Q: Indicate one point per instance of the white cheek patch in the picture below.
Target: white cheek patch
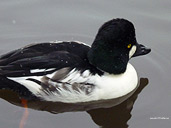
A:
(132, 51)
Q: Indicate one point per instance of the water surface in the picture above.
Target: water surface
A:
(29, 21)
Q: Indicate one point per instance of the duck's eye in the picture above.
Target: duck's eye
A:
(129, 45)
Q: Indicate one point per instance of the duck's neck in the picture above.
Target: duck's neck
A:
(107, 59)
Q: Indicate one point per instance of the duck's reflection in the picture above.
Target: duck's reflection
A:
(117, 116)
(108, 114)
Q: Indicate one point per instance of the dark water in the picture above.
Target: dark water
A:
(29, 21)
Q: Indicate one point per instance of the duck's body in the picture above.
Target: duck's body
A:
(70, 72)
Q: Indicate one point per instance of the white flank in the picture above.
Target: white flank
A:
(32, 86)
(107, 86)
(76, 77)
(86, 73)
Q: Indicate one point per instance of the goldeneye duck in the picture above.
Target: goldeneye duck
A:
(71, 71)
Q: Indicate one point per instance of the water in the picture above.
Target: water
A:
(29, 21)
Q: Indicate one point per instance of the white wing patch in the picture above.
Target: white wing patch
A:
(41, 70)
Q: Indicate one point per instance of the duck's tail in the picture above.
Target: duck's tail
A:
(7, 84)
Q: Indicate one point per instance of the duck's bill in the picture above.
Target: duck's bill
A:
(141, 50)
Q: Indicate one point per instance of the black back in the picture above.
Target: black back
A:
(45, 56)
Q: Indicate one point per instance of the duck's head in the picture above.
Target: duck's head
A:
(114, 45)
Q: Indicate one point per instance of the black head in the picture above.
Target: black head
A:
(114, 45)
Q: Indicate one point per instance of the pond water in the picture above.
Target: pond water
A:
(30, 21)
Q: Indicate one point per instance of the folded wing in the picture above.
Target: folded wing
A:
(42, 59)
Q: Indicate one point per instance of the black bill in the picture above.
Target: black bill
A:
(141, 50)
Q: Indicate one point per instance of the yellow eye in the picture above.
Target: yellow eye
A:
(129, 45)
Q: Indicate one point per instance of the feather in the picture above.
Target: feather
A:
(42, 56)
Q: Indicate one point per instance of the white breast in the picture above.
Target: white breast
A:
(114, 86)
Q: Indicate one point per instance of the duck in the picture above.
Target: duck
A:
(74, 72)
